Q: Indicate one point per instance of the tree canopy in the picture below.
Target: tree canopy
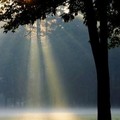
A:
(20, 12)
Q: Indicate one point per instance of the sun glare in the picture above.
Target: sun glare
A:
(50, 116)
(28, 1)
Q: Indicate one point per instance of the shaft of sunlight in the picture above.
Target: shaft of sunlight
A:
(75, 41)
(34, 82)
(53, 78)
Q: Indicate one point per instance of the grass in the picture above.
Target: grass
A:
(54, 117)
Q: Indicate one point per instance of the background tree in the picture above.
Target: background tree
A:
(102, 19)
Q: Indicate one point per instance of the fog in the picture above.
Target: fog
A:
(53, 114)
(51, 67)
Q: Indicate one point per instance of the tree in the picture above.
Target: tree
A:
(100, 16)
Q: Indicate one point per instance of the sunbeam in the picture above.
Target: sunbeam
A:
(34, 82)
(53, 78)
(13, 54)
(75, 41)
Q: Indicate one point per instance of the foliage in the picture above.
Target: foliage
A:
(20, 12)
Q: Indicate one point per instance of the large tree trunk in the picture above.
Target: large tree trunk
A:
(100, 53)
(104, 112)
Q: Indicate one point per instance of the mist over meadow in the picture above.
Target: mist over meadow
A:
(53, 68)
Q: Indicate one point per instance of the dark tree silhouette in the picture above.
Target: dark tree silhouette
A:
(102, 19)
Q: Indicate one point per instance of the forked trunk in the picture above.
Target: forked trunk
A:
(100, 53)
(104, 106)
